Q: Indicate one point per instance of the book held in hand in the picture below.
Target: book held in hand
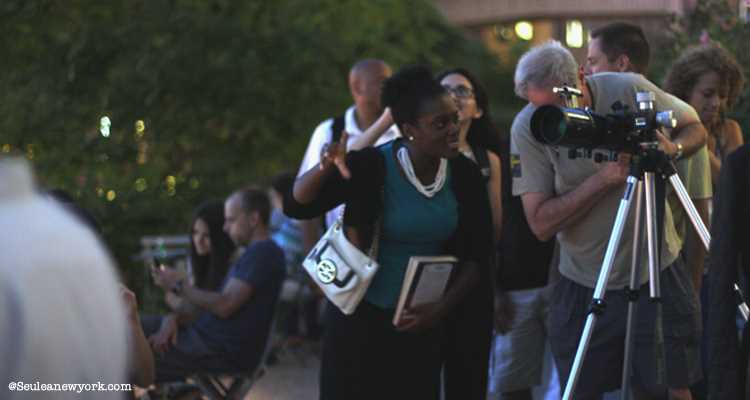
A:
(424, 282)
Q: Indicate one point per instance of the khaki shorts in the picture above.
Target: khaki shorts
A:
(602, 365)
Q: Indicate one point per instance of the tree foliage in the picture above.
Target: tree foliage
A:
(227, 92)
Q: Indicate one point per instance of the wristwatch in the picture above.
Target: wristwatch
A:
(678, 154)
(178, 286)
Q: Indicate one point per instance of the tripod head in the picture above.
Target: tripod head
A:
(649, 158)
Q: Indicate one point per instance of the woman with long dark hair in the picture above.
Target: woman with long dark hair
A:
(210, 247)
(477, 137)
(211, 251)
(430, 201)
(469, 332)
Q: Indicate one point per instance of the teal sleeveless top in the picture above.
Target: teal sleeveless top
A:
(412, 225)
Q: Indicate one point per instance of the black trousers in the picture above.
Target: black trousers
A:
(466, 347)
(364, 357)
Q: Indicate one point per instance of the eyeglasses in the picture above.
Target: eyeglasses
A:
(460, 91)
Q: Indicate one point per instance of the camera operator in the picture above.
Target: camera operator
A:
(577, 200)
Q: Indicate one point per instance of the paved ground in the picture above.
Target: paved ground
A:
(293, 377)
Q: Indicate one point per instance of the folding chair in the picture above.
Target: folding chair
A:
(235, 386)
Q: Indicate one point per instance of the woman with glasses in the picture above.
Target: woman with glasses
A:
(429, 201)
(469, 331)
(477, 138)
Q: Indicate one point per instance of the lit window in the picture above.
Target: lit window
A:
(574, 33)
(524, 30)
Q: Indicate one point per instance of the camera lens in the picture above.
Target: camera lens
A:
(548, 125)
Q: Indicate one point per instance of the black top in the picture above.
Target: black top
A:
(472, 240)
(523, 260)
(730, 229)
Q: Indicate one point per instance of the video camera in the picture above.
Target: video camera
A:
(580, 128)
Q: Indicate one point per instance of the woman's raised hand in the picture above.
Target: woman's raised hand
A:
(334, 153)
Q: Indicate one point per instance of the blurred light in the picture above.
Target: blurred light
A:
(30, 151)
(6, 148)
(194, 183)
(524, 30)
(99, 192)
(111, 195)
(140, 128)
(140, 185)
(104, 125)
(171, 183)
(574, 33)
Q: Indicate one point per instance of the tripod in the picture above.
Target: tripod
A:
(643, 169)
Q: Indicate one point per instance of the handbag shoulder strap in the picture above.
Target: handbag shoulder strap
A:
(375, 245)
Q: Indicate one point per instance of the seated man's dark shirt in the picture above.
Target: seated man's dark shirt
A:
(243, 335)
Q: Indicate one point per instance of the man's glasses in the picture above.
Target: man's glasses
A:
(460, 91)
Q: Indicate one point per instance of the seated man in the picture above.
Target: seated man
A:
(231, 329)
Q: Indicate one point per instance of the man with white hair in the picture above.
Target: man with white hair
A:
(61, 317)
(576, 200)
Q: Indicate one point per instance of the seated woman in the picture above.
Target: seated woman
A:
(211, 251)
(429, 202)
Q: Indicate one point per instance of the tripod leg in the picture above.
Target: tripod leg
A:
(633, 293)
(689, 207)
(703, 232)
(654, 271)
(652, 235)
(597, 304)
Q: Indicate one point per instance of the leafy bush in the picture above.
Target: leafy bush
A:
(228, 94)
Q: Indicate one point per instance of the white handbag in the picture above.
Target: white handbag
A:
(340, 269)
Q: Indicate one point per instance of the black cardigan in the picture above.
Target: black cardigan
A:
(729, 232)
(472, 240)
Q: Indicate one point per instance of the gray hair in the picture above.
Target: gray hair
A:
(548, 63)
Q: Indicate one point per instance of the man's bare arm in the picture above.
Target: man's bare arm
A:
(548, 214)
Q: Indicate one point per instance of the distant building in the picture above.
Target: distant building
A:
(502, 23)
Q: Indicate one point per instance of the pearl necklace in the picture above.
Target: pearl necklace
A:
(430, 190)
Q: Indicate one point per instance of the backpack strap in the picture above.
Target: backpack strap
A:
(339, 123)
(483, 162)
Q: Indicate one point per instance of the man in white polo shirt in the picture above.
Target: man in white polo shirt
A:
(365, 79)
